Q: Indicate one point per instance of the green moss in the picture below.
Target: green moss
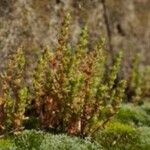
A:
(37, 140)
(118, 136)
(146, 107)
(144, 138)
(6, 144)
(135, 115)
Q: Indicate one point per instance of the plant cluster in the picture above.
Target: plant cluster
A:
(73, 89)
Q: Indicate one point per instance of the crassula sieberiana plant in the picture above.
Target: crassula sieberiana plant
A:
(77, 96)
(13, 94)
(135, 81)
(72, 89)
(138, 86)
(146, 82)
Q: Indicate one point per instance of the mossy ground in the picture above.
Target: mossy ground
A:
(129, 130)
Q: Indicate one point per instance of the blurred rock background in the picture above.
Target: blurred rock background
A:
(35, 23)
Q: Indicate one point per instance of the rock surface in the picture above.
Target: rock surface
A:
(36, 23)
